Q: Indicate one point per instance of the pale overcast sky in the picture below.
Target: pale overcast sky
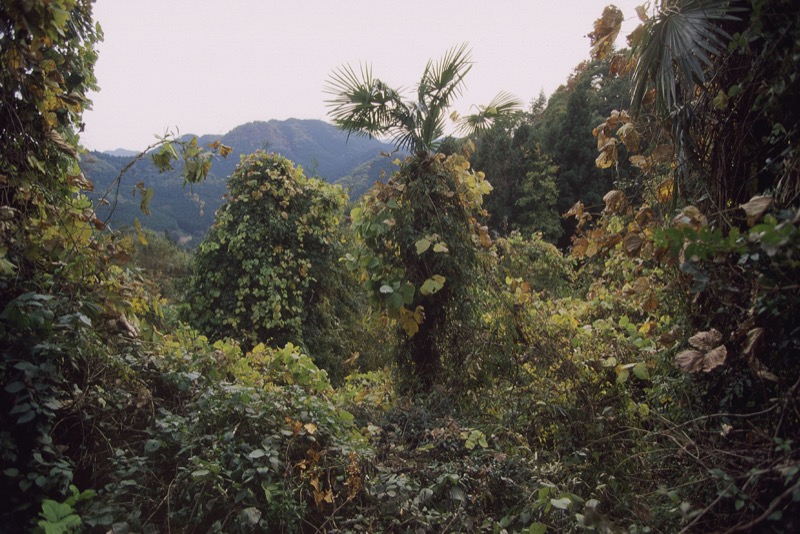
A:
(206, 66)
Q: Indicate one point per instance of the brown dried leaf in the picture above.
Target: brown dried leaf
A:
(662, 154)
(579, 246)
(651, 304)
(632, 243)
(752, 346)
(575, 211)
(706, 340)
(616, 201)
(611, 241)
(689, 360)
(756, 207)
(621, 65)
(606, 29)
(754, 338)
(690, 217)
(630, 137)
(761, 370)
(645, 216)
(714, 358)
(638, 161)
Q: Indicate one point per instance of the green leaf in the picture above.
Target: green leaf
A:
(622, 375)
(407, 292)
(26, 417)
(147, 196)
(432, 285)
(58, 518)
(15, 387)
(537, 528)
(562, 503)
(640, 370)
(345, 416)
(422, 245)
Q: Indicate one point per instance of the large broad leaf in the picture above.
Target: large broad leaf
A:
(422, 245)
(432, 285)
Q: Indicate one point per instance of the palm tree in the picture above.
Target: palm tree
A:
(365, 105)
(679, 51)
(427, 199)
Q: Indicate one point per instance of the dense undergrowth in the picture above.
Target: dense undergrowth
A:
(645, 382)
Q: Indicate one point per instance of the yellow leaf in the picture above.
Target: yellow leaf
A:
(484, 238)
(665, 189)
(721, 100)
(629, 136)
(608, 156)
(310, 427)
(408, 322)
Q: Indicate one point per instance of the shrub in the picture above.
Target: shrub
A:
(267, 272)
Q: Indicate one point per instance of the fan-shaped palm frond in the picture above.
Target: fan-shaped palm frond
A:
(501, 105)
(675, 50)
(365, 105)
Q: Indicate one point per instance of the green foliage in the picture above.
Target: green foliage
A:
(268, 267)
(564, 128)
(60, 517)
(368, 106)
(47, 70)
(164, 262)
(727, 103)
(523, 178)
(534, 265)
(416, 247)
(207, 435)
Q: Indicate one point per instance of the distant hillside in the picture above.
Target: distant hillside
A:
(186, 213)
(120, 152)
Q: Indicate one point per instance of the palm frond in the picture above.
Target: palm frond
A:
(676, 48)
(441, 82)
(362, 104)
(501, 105)
(444, 79)
(365, 105)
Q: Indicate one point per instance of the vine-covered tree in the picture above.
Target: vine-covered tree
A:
(418, 234)
(267, 270)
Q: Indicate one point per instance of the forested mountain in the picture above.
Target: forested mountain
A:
(186, 213)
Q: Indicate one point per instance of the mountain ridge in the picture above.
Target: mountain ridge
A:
(186, 212)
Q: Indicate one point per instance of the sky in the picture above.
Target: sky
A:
(207, 66)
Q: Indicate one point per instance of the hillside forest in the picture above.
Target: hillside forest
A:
(577, 314)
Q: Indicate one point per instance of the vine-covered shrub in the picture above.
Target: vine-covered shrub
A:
(268, 269)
